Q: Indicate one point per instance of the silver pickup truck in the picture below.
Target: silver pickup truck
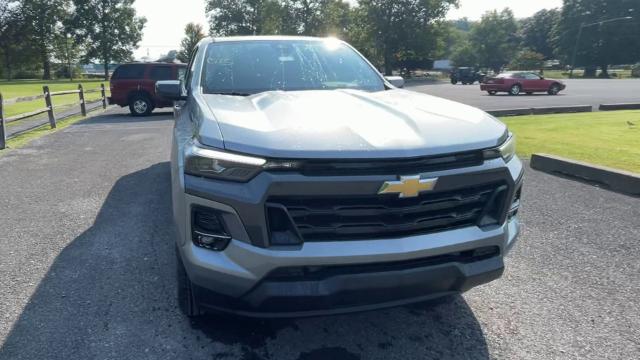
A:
(306, 183)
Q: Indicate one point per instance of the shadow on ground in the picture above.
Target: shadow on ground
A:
(110, 294)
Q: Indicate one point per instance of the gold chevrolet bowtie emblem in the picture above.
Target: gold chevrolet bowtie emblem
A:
(408, 186)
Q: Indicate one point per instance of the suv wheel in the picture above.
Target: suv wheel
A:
(492, 92)
(554, 89)
(140, 105)
(515, 90)
(187, 299)
(454, 81)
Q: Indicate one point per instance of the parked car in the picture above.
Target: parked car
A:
(466, 75)
(305, 183)
(133, 85)
(516, 83)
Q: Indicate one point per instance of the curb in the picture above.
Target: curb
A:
(624, 106)
(510, 112)
(617, 180)
(562, 109)
(542, 110)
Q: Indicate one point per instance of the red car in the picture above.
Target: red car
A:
(515, 83)
(134, 85)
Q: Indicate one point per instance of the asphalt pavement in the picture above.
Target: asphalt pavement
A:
(87, 270)
(578, 92)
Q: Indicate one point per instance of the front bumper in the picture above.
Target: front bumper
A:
(239, 279)
(346, 292)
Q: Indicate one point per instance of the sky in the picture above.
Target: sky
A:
(166, 20)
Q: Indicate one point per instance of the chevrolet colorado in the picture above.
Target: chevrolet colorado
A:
(306, 183)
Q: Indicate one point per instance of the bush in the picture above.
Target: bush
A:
(635, 71)
(527, 60)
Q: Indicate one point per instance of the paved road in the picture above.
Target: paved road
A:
(579, 92)
(87, 271)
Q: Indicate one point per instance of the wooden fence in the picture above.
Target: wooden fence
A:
(48, 108)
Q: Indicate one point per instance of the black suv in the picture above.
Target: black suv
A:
(466, 75)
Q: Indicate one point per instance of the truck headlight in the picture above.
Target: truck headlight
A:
(506, 151)
(222, 165)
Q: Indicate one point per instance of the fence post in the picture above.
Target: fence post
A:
(104, 96)
(83, 106)
(3, 133)
(47, 100)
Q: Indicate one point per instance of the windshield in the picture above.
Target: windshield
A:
(249, 67)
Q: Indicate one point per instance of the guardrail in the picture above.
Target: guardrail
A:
(48, 108)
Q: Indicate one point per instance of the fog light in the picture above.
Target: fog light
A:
(208, 230)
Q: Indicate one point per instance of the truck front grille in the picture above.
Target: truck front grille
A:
(328, 218)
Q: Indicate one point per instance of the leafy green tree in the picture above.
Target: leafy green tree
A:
(401, 25)
(495, 39)
(10, 23)
(110, 29)
(606, 36)
(527, 60)
(67, 51)
(41, 18)
(193, 34)
(241, 17)
(464, 55)
(537, 32)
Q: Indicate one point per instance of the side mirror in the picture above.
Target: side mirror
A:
(170, 89)
(396, 81)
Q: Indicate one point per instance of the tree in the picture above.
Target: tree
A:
(315, 17)
(602, 42)
(193, 34)
(241, 17)
(403, 25)
(9, 29)
(495, 39)
(110, 28)
(527, 60)
(41, 18)
(537, 32)
(66, 50)
(464, 55)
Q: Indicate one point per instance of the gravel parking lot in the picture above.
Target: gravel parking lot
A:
(87, 270)
(579, 92)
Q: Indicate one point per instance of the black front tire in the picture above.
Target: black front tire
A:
(515, 90)
(187, 294)
(492, 92)
(454, 81)
(554, 89)
(140, 105)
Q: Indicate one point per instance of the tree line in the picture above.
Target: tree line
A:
(36, 33)
(593, 33)
(405, 34)
(410, 33)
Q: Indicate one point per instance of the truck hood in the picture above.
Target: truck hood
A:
(347, 124)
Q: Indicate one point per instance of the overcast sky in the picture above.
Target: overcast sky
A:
(166, 20)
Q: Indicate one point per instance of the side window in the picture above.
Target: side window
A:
(190, 69)
(532, 76)
(132, 71)
(160, 73)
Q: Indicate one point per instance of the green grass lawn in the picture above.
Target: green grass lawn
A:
(603, 138)
(13, 89)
